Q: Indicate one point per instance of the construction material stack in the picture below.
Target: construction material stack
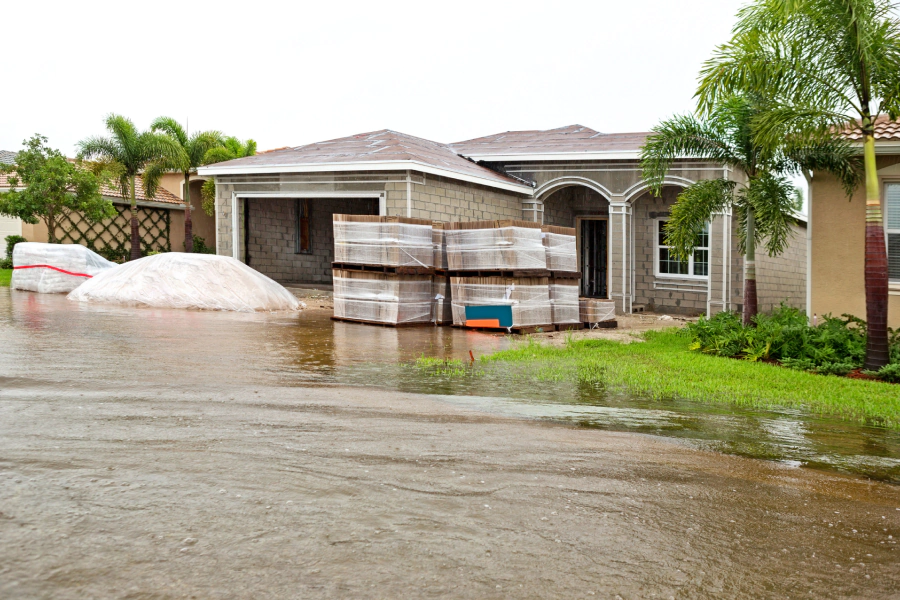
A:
(383, 270)
(498, 275)
(596, 313)
(442, 292)
(562, 261)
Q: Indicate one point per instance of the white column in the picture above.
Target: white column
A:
(235, 227)
(620, 213)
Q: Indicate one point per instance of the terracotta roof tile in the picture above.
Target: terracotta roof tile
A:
(572, 139)
(885, 130)
(114, 193)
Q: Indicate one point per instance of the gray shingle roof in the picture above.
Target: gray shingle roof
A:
(7, 157)
(573, 139)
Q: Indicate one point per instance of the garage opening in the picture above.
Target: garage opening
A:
(291, 240)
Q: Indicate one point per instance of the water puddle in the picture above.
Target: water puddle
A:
(46, 338)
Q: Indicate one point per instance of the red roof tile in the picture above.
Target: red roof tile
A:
(115, 194)
(885, 130)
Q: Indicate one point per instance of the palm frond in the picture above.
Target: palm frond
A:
(171, 127)
(774, 203)
(693, 209)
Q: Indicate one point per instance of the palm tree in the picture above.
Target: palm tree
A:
(230, 149)
(765, 204)
(126, 152)
(192, 151)
(830, 65)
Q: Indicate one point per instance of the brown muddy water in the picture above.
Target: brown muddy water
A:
(168, 454)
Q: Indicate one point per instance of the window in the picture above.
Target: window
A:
(892, 229)
(668, 266)
(302, 238)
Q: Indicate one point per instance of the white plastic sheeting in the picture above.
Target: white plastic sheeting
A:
(383, 297)
(597, 311)
(439, 242)
(561, 253)
(564, 306)
(529, 298)
(180, 280)
(500, 248)
(391, 244)
(54, 268)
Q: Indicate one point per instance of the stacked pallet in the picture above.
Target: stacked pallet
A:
(383, 270)
(597, 313)
(559, 244)
(495, 246)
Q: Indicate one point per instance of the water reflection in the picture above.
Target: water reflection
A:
(46, 338)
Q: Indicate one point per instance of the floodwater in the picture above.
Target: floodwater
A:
(160, 454)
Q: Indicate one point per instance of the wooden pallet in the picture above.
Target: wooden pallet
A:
(515, 330)
(381, 324)
(602, 325)
(569, 326)
(565, 275)
(384, 269)
(508, 274)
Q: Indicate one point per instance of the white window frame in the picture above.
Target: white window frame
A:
(887, 230)
(657, 246)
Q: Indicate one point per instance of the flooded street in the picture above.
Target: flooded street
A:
(167, 454)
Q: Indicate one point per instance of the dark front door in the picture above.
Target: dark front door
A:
(594, 260)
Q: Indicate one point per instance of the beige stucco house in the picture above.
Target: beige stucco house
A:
(837, 234)
(274, 210)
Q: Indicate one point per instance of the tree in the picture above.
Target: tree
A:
(230, 149)
(126, 152)
(52, 186)
(192, 153)
(830, 66)
(765, 204)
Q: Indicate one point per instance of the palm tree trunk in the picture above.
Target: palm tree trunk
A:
(877, 352)
(188, 226)
(135, 235)
(751, 303)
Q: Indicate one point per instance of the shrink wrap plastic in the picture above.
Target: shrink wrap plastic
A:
(501, 248)
(597, 311)
(529, 298)
(180, 280)
(54, 268)
(561, 253)
(383, 297)
(442, 297)
(564, 306)
(390, 244)
(439, 241)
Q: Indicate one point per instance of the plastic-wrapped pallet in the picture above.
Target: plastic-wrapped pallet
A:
(439, 242)
(54, 268)
(495, 245)
(529, 298)
(379, 240)
(597, 311)
(559, 243)
(383, 297)
(564, 305)
(443, 297)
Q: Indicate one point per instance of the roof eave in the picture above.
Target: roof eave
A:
(550, 156)
(393, 165)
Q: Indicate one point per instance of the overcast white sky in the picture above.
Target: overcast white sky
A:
(290, 73)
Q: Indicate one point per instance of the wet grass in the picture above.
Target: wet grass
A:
(663, 367)
(5, 277)
(443, 367)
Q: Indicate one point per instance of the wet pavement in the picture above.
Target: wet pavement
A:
(166, 454)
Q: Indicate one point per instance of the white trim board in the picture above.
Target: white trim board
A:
(391, 165)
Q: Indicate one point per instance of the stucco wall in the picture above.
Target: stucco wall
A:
(838, 247)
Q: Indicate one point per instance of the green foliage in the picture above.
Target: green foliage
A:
(11, 241)
(200, 246)
(447, 367)
(5, 277)
(662, 367)
(230, 149)
(49, 186)
(833, 347)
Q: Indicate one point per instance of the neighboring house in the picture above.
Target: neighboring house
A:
(572, 176)
(161, 221)
(8, 225)
(837, 233)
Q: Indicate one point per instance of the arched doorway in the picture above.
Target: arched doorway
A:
(587, 211)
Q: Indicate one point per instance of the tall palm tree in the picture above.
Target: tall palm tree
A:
(765, 204)
(126, 152)
(192, 151)
(830, 65)
(230, 149)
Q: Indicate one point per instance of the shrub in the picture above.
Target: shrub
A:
(836, 346)
(11, 241)
(200, 246)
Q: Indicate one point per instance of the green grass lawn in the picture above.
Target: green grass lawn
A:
(5, 276)
(663, 367)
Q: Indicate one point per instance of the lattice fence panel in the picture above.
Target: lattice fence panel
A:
(112, 237)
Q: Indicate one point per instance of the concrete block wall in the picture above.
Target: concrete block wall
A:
(273, 235)
(783, 278)
(441, 199)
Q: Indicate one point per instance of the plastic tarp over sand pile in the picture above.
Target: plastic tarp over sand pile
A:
(54, 268)
(179, 280)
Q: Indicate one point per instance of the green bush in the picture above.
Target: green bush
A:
(200, 246)
(11, 241)
(833, 347)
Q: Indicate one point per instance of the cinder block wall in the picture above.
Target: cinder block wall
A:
(273, 234)
(782, 278)
(662, 294)
(563, 206)
(441, 199)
